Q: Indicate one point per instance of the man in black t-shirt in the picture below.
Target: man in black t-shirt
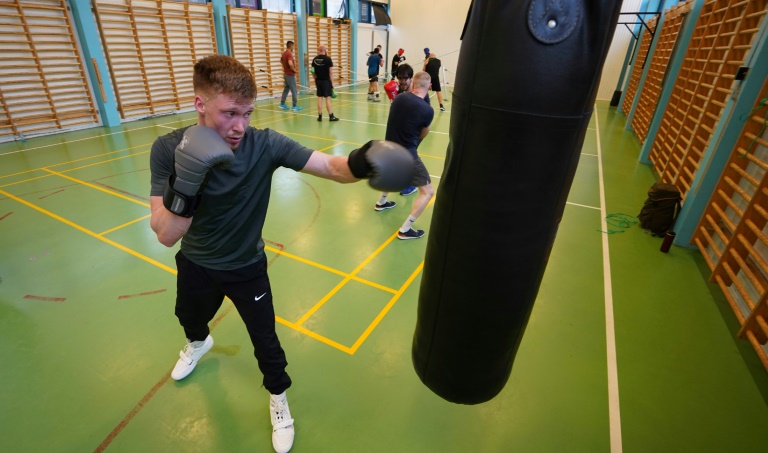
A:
(408, 124)
(210, 190)
(396, 60)
(323, 66)
(432, 67)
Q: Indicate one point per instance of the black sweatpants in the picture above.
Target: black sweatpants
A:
(199, 294)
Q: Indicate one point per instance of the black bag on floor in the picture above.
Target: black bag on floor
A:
(661, 208)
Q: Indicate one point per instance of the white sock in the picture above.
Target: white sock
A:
(383, 199)
(408, 224)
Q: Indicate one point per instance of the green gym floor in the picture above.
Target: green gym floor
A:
(628, 349)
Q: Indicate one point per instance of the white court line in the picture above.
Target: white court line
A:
(614, 411)
(587, 154)
(88, 138)
(582, 205)
(168, 127)
(342, 119)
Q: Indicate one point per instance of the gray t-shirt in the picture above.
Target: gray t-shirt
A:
(226, 230)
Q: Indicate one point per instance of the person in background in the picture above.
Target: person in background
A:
(432, 67)
(375, 61)
(289, 76)
(407, 125)
(396, 60)
(323, 66)
(371, 52)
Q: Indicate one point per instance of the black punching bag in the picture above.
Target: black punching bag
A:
(525, 87)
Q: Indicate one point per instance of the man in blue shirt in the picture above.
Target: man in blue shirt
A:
(375, 61)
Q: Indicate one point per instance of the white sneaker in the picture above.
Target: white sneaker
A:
(282, 423)
(189, 357)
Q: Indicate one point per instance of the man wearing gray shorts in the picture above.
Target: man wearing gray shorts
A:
(408, 124)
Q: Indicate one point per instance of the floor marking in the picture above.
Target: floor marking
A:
(93, 186)
(587, 154)
(75, 160)
(6, 215)
(89, 232)
(151, 393)
(614, 410)
(330, 269)
(52, 193)
(341, 284)
(583, 206)
(386, 309)
(115, 189)
(147, 293)
(169, 127)
(87, 138)
(48, 299)
(125, 225)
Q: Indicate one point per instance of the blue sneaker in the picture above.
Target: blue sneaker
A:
(283, 106)
(410, 190)
(296, 108)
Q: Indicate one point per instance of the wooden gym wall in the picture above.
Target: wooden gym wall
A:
(666, 40)
(337, 37)
(258, 40)
(43, 82)
(151, 47)
(721, 40)
(637, 68)
(732, 232)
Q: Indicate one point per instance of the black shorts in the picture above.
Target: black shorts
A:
(421, 178)
(373, 78)
(324, 88)
(435, 82)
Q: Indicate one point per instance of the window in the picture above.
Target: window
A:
(316, 7)
(283, 6)
(336, 9)
(365, 12)
(380, 14)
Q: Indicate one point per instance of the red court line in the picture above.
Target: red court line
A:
(143, 402)
(115, 189)
(49, 299)
(147, 293)
(52, 193)
(1, 218)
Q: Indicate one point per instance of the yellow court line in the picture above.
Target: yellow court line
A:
(75, 160)
(314, 335)
(98, 188)
(90, 233)
(386, 309)
(329, 147)
(160, 265)
(319, 138)
(25, 180)
(333, 291)
(71, 169)
(330, 269)
(125, 225)
(104, 161)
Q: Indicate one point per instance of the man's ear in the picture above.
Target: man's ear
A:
(200, 104)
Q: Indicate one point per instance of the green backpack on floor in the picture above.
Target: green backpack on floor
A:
(661, 208)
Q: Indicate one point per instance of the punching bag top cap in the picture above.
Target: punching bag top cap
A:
(552, 21)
